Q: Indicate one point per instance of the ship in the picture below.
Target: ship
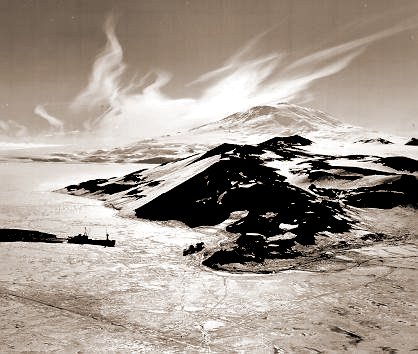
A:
(82, 239)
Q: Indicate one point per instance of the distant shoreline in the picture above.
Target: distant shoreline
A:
(21, 235)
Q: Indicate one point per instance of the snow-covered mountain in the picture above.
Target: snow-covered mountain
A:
(249, 127)
(282, 119)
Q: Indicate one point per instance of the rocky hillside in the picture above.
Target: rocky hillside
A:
(289, 199)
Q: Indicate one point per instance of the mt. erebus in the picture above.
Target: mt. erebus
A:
(252, 126)
(278, 184)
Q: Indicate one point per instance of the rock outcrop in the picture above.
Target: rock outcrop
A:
(412, 142)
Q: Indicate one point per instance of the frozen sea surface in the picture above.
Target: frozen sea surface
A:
(143, 295)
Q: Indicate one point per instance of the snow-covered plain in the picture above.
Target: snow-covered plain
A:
(143, 295)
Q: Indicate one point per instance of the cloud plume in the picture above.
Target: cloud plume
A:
(54, 122)
(104, 82)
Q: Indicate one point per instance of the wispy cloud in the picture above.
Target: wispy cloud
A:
(104, 82)
(6, 145)
(11, 128)
(4, 126)
(272, 78)
(239, 83)
(128, 114)
(54, 122)
(233, 61)
(351, 46)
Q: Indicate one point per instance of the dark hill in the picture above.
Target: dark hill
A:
(413, 142)
(287, 195)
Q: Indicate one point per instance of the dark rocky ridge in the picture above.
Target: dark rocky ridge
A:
(401, 190)
(412, 142)
(20, 235)
(400, 163)
(377, 140)
(281, 215)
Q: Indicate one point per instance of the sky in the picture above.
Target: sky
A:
(74, 69)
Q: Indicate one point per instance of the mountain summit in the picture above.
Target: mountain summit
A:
(281, 119)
